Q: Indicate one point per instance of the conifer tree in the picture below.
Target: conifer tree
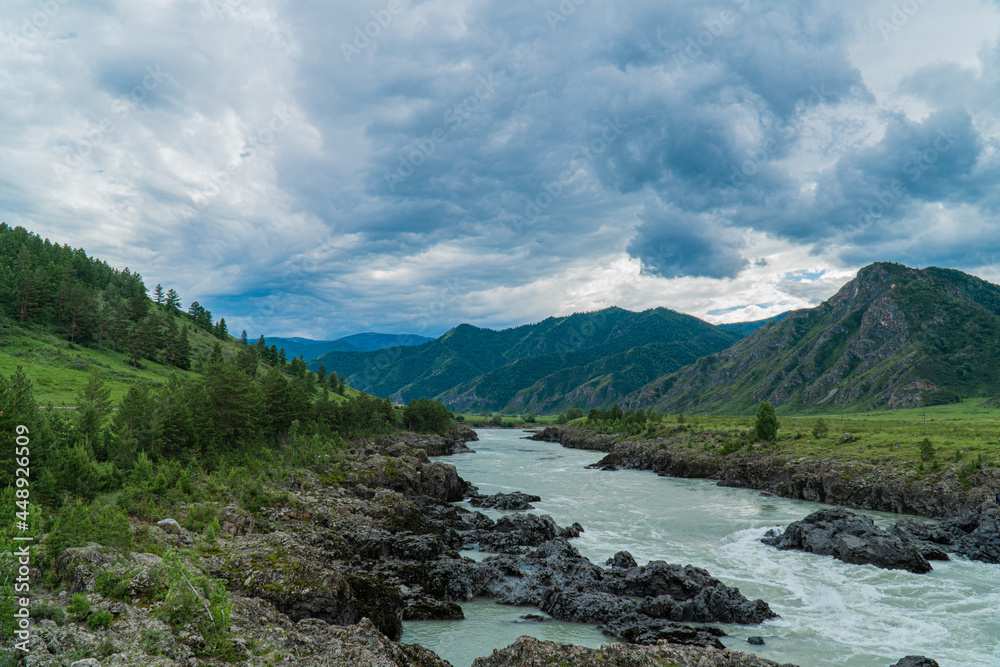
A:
(158, 294)
(173, 301)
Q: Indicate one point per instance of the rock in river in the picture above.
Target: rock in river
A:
(851, 538)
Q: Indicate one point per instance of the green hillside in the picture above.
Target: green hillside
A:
(582, 360)
(65, 315)
(893, 337)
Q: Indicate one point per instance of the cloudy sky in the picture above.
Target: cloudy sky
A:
(320, 168)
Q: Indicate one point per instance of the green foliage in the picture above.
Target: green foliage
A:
(926, 450)
(426, 416)
(113, 584)
(193, 598)
(79, 606)
(113, 529)
(48, 611)
(766, 424)
(99, 619)
(820, 428)
(213, 531)
(616, 420)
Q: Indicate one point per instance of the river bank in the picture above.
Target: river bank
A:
(886, 485)
(351, 548)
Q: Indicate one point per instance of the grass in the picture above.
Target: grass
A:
(59, 370)
(962, 435)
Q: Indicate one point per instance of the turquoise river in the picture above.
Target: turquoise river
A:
(832, 614)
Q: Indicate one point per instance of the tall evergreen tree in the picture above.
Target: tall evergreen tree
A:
(158, 294)
(173, 301)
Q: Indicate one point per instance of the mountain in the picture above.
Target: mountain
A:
(582, 360)
(747, 328)
(362, 342)
(892, 337)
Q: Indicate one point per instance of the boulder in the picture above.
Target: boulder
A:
(622, 560)
(851, 538)
(916, 661)
(974, 534)
(169, 526)
(506, 501)
(531, 652)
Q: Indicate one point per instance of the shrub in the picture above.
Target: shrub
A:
(112, 585)
(48, 611)
(926, 450)
(820, 428)
(79, 606)
(99, 619)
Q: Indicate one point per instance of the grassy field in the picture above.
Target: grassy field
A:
(960, 438)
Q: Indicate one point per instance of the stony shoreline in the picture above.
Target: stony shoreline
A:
(361, 544)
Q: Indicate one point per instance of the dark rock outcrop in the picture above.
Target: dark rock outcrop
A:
(974, 534)
(531, 652)
(851, 538)
(916, 661)
(505, 501)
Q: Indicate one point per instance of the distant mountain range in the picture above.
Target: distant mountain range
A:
(582, 360)
(893, 337)
(362, 342)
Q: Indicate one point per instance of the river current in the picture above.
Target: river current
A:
(832, 614)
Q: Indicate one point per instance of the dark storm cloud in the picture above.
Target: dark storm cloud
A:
(672, 244)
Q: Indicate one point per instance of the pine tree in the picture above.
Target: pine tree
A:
(243, 338)
(246, 360)
(282, 358)
(321, 375)
(766, 424)
(139, 344)
(158, 294)
(173, 301)
(30, 285)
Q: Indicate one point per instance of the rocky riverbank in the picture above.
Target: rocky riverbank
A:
(734, 460)
(349, 549)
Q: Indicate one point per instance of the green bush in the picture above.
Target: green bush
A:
(926, 450)
(99, 619)
(50, 612)
(820, 428)
(112, 585)
(79, 606)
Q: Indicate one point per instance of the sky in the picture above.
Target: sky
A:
(319, 168)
